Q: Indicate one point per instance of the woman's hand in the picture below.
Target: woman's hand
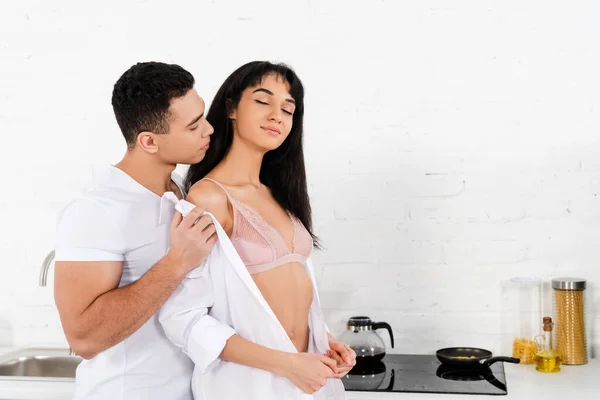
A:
(343, 355)
(309, 372)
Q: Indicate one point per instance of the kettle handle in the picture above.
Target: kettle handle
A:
(381, 325)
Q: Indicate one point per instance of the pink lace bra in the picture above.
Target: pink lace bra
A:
(260, 246)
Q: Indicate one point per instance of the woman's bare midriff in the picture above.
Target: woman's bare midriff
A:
(289, 292)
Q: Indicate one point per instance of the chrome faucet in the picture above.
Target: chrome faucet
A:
(45, 267)
(44, 279)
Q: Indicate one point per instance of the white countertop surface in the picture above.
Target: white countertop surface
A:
(523, 382)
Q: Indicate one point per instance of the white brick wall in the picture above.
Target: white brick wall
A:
(450, 145)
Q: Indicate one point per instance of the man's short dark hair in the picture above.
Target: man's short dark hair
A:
(142, 95)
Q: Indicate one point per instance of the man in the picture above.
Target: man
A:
(121, 251)
(116, 263)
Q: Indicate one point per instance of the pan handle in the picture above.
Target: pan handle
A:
(491, 360)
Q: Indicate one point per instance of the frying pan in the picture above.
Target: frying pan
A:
(470, 357)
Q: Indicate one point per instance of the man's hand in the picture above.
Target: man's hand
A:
(192, 239)
(343, 355)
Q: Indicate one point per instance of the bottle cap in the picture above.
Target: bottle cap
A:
(547, 324)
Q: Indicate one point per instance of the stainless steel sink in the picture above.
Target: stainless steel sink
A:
(39, 364)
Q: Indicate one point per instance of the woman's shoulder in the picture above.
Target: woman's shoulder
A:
(213, 198)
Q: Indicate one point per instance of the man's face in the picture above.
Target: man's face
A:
(189, 131)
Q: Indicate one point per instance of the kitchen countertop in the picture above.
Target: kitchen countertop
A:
(523, 382)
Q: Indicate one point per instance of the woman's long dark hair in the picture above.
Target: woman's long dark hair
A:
(282, 169)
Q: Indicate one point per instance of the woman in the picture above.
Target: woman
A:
(253, 182)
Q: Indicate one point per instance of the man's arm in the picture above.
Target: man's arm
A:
(95, 313)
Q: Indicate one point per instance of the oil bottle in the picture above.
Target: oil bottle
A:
(547, 359)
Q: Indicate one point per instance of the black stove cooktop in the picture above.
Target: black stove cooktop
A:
(425, 374)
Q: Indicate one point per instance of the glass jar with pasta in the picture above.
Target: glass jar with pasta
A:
(570, 316)
(527, 316)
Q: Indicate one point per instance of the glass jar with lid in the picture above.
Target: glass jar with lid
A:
(526, 314)
(570, 318)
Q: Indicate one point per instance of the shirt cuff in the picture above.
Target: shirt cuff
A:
(206, 342)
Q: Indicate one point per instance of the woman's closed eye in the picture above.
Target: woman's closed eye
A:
(283, 109)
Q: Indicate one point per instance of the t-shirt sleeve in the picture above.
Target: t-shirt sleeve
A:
(85, 231)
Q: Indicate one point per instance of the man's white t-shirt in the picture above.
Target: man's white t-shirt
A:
(117, 219)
